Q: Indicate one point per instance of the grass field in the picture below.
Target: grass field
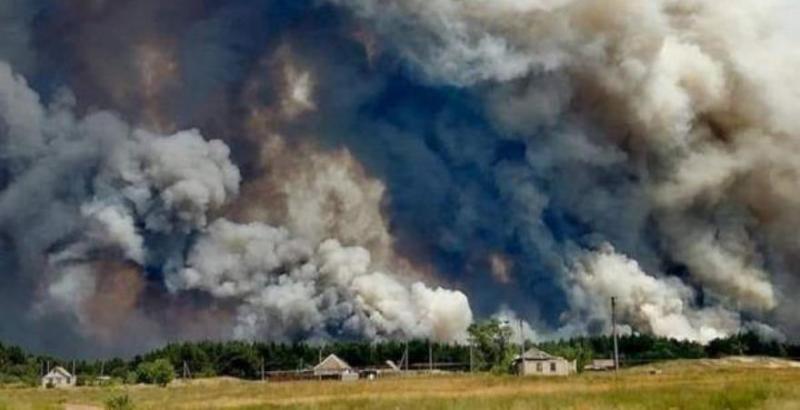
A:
(705, 384)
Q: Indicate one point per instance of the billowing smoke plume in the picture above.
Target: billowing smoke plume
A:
(148, 197)
(83, 197)
(287, 288)
(684, 110)
(661, 306)
(540, 156)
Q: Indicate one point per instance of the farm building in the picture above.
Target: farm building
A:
(389, 368)
(539, 363)
(600, 365)
(334, 368)
(58, 377)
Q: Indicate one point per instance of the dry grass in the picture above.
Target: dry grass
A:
(725, 384)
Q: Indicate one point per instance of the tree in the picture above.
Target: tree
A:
(240, 360)
(491, 340)
(158, 372)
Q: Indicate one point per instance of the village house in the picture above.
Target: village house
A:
(58, 377)
(538, 363)
(335, 368)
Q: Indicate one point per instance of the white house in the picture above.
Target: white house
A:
(335, 368)
(59, 377)
(538, 363)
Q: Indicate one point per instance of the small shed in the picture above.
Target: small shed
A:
(372, 373)
(600, 365)
(334, 367)
(538, 363)
(58, 377)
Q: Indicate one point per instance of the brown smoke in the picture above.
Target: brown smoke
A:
(115, 302)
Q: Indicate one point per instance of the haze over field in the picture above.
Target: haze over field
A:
(335, 169)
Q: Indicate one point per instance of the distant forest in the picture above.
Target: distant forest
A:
(491, 351)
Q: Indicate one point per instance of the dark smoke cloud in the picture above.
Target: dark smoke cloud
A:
(538, 155)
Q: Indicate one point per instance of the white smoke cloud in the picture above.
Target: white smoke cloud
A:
(288, 288)
(149, 184)
(521, 330)
(117, 228)
(173, 182)
(662, 306)
(75, 284)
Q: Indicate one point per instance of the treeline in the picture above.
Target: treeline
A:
(492, 349)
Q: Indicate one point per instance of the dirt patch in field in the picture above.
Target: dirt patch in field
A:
(768, 362)
(81, 407)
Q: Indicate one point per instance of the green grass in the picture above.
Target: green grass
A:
(700, 385)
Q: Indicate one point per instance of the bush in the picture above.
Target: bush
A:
(131, 378)
(158, 372)
(120, 403)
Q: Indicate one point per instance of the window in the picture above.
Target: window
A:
(552, 367)
(539, 367)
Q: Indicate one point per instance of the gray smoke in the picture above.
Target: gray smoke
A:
(144, 198)
(78, 192)
(539, 155)
(692, 101)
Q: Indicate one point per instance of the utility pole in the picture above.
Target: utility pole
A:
(262, 369)
(405, 355)
(521, 348)
(614, 332)
(505, 326)
(187, 374)
(430, 355)
(471, 368)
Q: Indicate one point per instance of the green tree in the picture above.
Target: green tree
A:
(158, 372)
(492, 342)
(239, 359)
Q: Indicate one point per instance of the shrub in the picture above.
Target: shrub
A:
(119, 403)
(131, 378)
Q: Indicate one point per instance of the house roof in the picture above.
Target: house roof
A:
(332, 363)
(536, 354)
(59, 371)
